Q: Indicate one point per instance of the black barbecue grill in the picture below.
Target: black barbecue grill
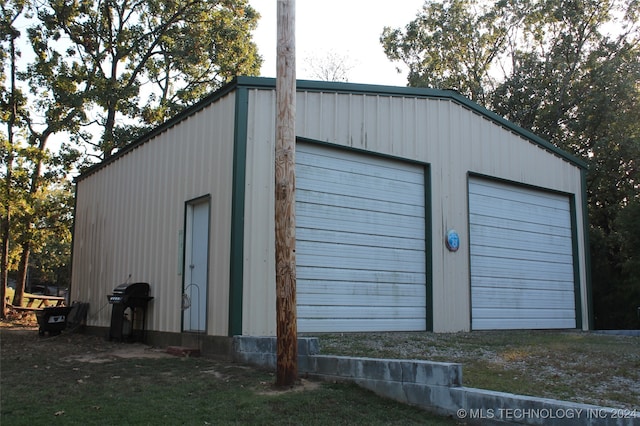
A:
(128, 315)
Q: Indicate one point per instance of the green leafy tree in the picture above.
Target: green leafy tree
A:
(10, 100)
(452, 45)
(555, 67)
(112, 67)
(140, 62)
(30, 169)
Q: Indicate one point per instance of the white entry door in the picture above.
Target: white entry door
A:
(196, 266)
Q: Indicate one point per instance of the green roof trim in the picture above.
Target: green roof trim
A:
(338, 87)
(354, 88)
(193, 109)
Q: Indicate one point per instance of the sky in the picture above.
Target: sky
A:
(349, 29)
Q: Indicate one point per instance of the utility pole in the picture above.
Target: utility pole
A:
(285, 186)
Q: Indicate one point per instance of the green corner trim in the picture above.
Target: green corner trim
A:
(428, 246)
(587, 250)
(576, 262)
(237, 211)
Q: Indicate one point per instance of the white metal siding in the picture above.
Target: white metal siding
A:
(130, 219)
(360, 242)
(450, 138)
(521, 258)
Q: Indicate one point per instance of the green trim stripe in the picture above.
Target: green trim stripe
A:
(237, 211)
(428, 235)
(587, 250)
(576, 262)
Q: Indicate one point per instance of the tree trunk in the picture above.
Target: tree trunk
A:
(285, 216)
(6, 233)
(6, 222)
(108, 142)
(23, 267)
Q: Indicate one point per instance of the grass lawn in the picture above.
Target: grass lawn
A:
(575, 366)
(74, 379)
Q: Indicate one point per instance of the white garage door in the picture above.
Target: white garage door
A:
(521, 258)
(360, 242)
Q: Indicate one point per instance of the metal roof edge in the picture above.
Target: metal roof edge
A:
(344, 87)
(268, 83)
(527, 134)
(198, 106)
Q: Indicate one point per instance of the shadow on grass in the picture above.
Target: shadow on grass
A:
(44, 382)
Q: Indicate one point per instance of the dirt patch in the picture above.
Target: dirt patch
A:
(302, 386)
(134, 350)
(20, 338)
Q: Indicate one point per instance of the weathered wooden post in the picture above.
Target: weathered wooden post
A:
(285, 214)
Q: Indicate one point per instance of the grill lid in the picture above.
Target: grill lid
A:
(132, 289)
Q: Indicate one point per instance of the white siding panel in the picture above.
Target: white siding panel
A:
(360, 250)
(452, 139)
(521, 258)
(130, 214)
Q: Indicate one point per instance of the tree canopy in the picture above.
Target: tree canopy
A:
(140, 62)
(569, 70)
(91, 76)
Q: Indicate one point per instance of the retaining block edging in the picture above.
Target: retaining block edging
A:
(433, 386)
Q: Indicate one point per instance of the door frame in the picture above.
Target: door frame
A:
(574, 238)
(186, 250)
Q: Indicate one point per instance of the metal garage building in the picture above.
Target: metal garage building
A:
(384, 177)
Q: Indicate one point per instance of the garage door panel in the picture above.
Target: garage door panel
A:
(360, 248)
(382, 289)
(340, 263)
(523, 314)
(524, 323)
(359, 221)
(518, 194)
(330, 236)
(515, 227)
(517, 254)
(518, 267)
(372, 301)
(343, 183)
(344, 161)
(522, 212)
(521, 270)
(484, 297)
(345, 256)
(503, 284)
(347, 201)
(313, 325)
(355, 276)
(521, 241)
(348, 312)
(360, 227)
(521, 257)
(485, 202)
